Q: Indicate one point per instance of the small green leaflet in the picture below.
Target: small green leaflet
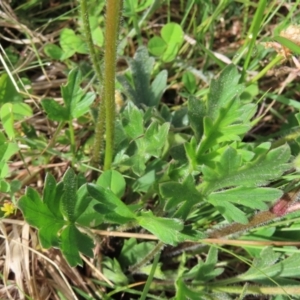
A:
(167, 230)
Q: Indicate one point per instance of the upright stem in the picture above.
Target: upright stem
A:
(88, 35)
(113, 15)
(99, 134)
(95, 58)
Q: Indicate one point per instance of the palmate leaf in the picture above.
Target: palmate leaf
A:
(154, 140)
(48, 233)
(222, 118)
(38, 214)
(137, 163)
(145, 143)
(72, 92)
(7, 119)
(232, 123)
(57, 215)
(253, 197)
(83, 200)
(54, 110)
(184, 196)
(35, 211)
(76, 101)
(7, 150)
(90, 217)
(230, 171)
(149, 144)
(83, 106)
(132, 121)
(71, 43)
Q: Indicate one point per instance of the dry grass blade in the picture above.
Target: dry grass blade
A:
(5, 253)
(96, 271)
(16, 258)
(25, 263)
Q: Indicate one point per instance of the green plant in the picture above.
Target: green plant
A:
(215, 151)
(188, 177)
(77, 103)
(71, 43)
(168, 45)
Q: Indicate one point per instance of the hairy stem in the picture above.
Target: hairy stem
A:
(113, 16)
(286, 204)
(147, 258)
(95, 58)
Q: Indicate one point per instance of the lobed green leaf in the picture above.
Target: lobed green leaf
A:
(184, 195)
(110, 200)
(73, 242)
(231, 172)
(167, 230)
(269, 265)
